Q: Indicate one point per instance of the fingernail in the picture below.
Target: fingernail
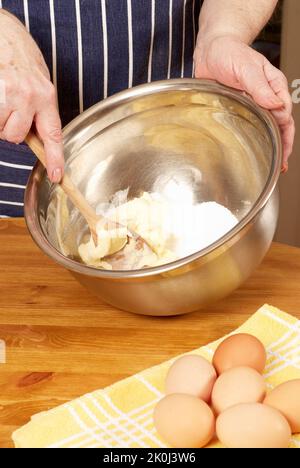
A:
(56, 175)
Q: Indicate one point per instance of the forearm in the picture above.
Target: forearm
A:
(29, 94)
(17, 46)
(238, 18)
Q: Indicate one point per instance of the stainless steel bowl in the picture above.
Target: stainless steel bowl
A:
(212, 140)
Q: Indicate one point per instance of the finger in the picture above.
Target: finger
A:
(49, 128)
(279, 84)
(18, 126)
(287, 135)
(4, 116)
(255, 83)
(284, 118)
(284, 114)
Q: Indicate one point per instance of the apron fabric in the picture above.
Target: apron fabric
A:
(95, 48)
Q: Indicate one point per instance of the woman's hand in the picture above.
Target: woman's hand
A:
(229, 61)
(29, 94)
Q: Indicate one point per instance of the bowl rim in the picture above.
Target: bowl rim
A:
(182, 84)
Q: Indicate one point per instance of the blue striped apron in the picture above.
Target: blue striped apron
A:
(95, 48)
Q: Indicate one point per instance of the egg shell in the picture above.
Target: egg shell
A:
(286, 399)
(238, 385)
(240, 350)
(192, 375)
(253, 425)
(184, 421)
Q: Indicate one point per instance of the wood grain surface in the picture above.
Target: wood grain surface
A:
(62, 342)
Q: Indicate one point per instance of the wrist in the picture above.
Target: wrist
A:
(206, 42)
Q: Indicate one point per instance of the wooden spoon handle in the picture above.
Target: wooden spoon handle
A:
(36, 146)
(66, 183)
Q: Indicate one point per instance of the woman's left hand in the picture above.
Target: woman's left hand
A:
(229, 61)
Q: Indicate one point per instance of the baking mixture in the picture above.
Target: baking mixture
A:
(171, 229)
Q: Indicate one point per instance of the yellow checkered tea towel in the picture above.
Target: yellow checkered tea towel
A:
(121, 415)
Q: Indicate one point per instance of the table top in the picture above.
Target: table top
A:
(61, 342)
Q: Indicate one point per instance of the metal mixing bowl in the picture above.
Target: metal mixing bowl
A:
(212, 141)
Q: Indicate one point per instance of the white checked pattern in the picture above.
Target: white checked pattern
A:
(121, 415)
(121, 430)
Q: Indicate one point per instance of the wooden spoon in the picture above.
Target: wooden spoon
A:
(78, 200)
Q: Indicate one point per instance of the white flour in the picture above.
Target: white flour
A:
(201, 225)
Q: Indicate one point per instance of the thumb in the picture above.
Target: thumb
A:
(255, 83)
(48, 125)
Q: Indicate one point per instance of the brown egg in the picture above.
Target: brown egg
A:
(286, 399)
(184, 421)
(240, 350)
(253, 425)
(192, 375)
(238, 385)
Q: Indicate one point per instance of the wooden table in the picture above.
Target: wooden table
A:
(61, 342)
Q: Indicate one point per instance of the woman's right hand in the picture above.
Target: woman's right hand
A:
(29, 95)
